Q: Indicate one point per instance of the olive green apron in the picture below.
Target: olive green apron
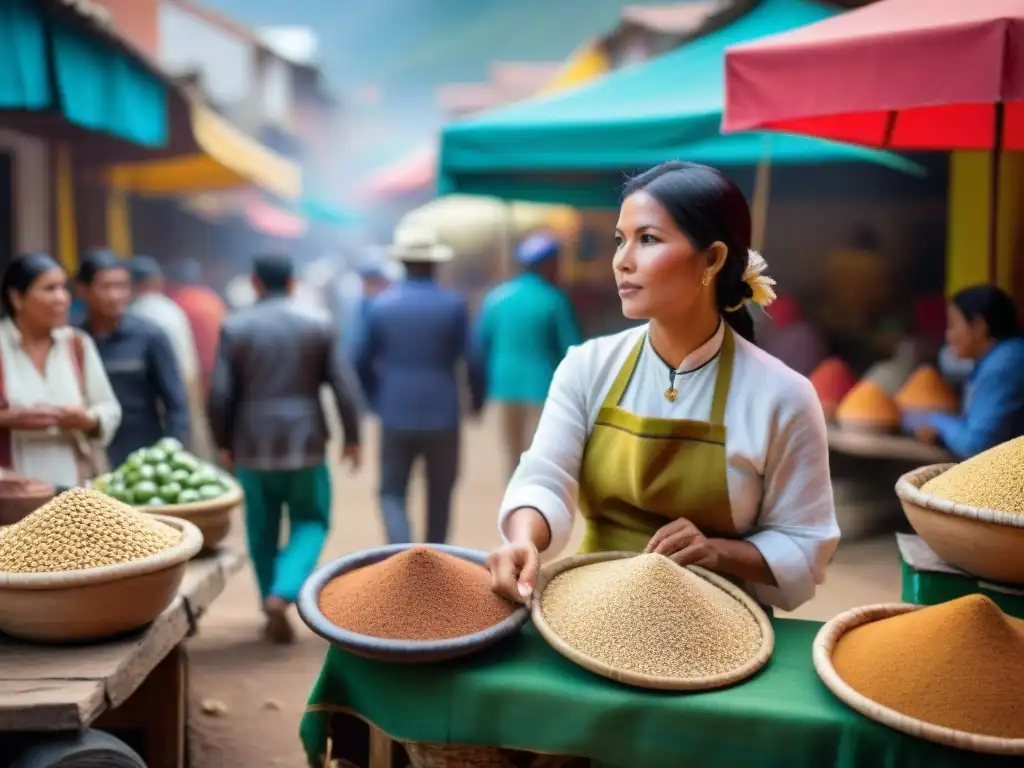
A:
(639, 473)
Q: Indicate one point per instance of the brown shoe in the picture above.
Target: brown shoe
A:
(279, 629)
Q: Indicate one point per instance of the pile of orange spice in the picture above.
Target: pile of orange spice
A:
(868, 406)
(419, 594)
(958, 664)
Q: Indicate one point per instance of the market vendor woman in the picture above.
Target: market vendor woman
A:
(982, 327)
(680, 436)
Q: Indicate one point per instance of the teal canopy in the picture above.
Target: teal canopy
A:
(95, 85)
(575, 147)
(324, 212)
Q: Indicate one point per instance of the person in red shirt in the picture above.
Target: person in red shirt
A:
(205, 311)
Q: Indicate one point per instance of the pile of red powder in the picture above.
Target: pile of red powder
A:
(418, 594)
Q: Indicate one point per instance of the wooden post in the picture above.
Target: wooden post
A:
(380, 748)
(759, 206)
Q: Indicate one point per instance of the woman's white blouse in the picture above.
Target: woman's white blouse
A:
(51, 455)
(777, 450)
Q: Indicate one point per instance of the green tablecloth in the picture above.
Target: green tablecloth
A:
(521, 694)
(931, 588)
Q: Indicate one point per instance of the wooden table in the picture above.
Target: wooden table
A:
(880, 445)
(138, 683)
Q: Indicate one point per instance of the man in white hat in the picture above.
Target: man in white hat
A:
(415, 337)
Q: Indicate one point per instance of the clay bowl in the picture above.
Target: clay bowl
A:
(96, 603)
(982, 542)
(212, 518)
(400, 651)
(824, 644)
(20, 498)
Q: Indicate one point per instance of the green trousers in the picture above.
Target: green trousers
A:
(280, 571)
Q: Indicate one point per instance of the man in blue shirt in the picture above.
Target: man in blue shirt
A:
(415, 336)
(983, 327)
(138, 358)
(526, 326)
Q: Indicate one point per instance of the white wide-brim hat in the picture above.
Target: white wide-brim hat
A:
(419, 245)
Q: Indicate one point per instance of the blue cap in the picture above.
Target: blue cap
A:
(537, 248)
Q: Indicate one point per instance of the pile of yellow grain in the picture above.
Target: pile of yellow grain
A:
(648, 615)
(82, 529)
(992, 480)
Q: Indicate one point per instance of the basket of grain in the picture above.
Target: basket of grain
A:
(87, 567)
(951, 673)
(408, 603)
(972, 514)
(644, 621)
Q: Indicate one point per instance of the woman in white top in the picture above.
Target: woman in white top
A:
(679, 437)
(56, 403)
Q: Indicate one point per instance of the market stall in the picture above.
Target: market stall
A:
(542, 710)
(134, 687)
(915, 95)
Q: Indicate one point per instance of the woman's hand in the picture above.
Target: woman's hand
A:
(29, 418)
(514, 570)
(74, 418)
(683, 542)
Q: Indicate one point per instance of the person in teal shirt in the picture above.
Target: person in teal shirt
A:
(525, 327)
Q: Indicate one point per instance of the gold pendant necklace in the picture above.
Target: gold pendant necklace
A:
(671, 393)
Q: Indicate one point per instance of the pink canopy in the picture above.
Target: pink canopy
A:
(904, 74)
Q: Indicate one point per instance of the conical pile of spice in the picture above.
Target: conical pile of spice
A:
(648, 615)
(832, 380)
(418, 594)
(926, 391)
(867, 406)
(82, 529)
(990, 480)
(958, 665)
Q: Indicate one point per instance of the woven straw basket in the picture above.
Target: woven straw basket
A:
(982, 542)
(96, 603)
(826, 641)
(651, 681)
(456, 756)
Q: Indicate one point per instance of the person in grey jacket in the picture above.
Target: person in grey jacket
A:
(267, 420)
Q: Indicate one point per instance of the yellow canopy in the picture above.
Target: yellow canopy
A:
(228, 159)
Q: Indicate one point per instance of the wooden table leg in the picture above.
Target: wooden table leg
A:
(159, 711)
(380, 749)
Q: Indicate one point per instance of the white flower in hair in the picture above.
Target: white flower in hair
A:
(760, 283)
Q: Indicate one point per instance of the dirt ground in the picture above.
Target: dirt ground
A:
(263, 688)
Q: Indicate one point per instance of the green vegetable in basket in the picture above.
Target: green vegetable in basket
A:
(169, 492)
(189, 496)
(170, 445)
(143, 491)
(156, 501)
(162, 473)
(211, 491)
(180, 476)
(185, 462)
(156, 456)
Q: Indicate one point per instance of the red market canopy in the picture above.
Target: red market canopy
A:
(900, 74)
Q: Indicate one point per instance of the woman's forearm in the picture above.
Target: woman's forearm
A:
(743, 560)
(526, 524)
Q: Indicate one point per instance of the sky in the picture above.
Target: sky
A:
(404, 49)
